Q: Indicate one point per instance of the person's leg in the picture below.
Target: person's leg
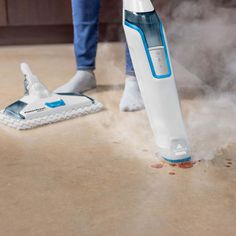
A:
(131, 99)
(85, 24)
(129, 70)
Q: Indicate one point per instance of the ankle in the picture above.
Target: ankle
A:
(130, 78)
(90, 71)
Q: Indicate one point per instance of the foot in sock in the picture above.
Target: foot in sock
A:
(131, 99)
(82, 81)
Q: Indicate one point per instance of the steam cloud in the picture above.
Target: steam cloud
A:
(202, 37)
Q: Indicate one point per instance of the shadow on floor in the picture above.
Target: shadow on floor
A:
(107, 87)
(185, 93)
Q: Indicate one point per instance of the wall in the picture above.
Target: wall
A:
(49, 21)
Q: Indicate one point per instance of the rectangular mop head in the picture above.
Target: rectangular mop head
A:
(40, 107)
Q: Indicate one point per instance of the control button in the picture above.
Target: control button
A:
(159, 60)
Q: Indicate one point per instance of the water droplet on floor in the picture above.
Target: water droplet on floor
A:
(171, 173)
(173, 165)
(185, 165)
(157, 165)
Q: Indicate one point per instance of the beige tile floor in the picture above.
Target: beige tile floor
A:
(91, 176)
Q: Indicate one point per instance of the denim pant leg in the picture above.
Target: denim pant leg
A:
(85, 23)
(129, 64)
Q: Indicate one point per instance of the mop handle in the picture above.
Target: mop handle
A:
(28, 73)
(33, 82)
(26, 69)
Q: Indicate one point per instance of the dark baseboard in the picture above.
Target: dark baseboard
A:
(22, 35)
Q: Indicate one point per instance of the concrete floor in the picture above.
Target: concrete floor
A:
(91, 176)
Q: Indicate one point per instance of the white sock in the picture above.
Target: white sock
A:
(82, 81)
(131, 99)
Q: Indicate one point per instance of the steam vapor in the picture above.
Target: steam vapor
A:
(202, 37)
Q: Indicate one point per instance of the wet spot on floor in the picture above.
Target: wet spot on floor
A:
(173, 165)
(157, 165)
(228, 162)
(186, 165)
(171, 173)
(144, 150)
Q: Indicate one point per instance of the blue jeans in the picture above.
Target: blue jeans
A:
(85, 22)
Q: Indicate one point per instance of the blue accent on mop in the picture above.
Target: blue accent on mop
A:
(188, 159)
(55, 104)
(148, 53)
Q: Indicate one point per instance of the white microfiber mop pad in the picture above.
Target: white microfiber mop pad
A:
(53, 118)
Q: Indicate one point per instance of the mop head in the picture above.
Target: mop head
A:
(40, 107)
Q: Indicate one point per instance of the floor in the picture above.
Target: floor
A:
(91, 176)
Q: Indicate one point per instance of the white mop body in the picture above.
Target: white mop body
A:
(40, 107)
(150, 55)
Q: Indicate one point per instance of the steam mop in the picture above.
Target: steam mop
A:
(149, 51)
(39, 107)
